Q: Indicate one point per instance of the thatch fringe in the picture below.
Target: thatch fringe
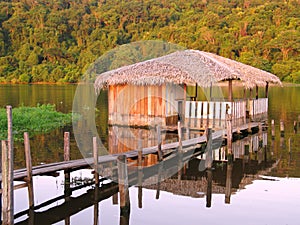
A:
(188, 66)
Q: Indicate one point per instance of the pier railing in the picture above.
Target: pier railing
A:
(213, 113)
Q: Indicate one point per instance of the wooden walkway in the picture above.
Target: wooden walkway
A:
(45, 169)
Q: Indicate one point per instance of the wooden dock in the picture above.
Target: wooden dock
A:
(176, 152)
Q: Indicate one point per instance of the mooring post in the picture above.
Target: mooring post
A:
(281, 128)
(273, 129)
(140, 170)
(67, 189)
(123, 185)
(7, 172)
(96, 168)
(29, 171)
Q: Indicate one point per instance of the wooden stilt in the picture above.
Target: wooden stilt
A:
(295, 127)
(256, 92)
(228, 182)
(209, 157)
(140, 170)
(209, 187)
(7, 172)
(67, 185)
(29, 170)
(180, 151)
(123, 185)
(67, 189)
(95, 154)
(267, 90)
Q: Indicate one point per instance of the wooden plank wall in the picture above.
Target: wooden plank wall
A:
(142, 105)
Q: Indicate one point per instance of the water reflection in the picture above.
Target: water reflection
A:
(250, 162)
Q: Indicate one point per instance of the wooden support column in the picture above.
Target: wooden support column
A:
(95, 154)
(123, 187)
(209, 156)
(29, 171)
(140, 170)
(180, 151)
(267, 90)
(229, 132)
(228, 182)
(256, 92)
(67, 189)
(230, 95)
(7, 172)
(67, 185)
(209, 187)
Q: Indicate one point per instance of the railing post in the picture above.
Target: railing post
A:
(29, 170)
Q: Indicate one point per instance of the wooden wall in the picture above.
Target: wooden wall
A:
(131, 105)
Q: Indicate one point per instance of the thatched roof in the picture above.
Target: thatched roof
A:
(187, 66)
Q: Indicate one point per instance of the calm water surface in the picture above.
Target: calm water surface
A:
(265, 184)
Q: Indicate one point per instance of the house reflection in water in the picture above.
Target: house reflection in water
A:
(251, 158)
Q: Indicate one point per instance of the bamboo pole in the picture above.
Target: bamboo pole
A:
(95, 154)
(29, 171)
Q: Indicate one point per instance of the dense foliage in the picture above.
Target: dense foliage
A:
(34, 120)
(55, 41)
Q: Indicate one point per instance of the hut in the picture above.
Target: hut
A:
(154, 91)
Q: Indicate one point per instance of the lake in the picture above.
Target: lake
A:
(264, 184)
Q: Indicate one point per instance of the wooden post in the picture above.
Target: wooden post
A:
(159, 152)
(281, 128)
(229, 132)
(228, 182)
(7, 172)
(267, 90)
(7, 189)
(180, 151)
(140, 170)
(256, 92)
(209, 157)
(67, 189)
(295, 127)
(230, 95)
(273, 129)
(123, 185)
(29, 171)
(209, 187)
(95, 154)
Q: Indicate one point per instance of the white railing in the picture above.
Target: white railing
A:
(213, 113)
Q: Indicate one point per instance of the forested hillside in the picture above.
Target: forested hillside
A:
(55, 41)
